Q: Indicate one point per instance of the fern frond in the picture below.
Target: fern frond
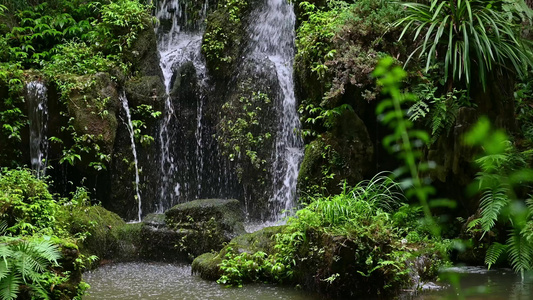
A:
(417, 111)
(493, 253)
(4, 269)
(492, 202)
(38, 292)
(520, 252)
(9, 287)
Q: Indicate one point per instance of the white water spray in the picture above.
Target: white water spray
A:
(176, 47)
(273, 36)
(129, 124)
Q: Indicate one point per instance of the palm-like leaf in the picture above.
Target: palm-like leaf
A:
(465, 34)
(494, 252)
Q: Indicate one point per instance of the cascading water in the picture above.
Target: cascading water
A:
(273, 36)
(36, 95)
(178, 46)
(190, 163)
(129, 124)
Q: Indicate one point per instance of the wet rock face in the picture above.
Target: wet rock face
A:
(94, 110)
(255, 76)
(345, 151)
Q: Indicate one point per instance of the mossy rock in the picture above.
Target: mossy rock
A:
(164, 244)
(190, 229)
(227, 215)
(155, 220)
(94, 109)
(143, 53)
(207, 264)
(107, 235)
(147, 90)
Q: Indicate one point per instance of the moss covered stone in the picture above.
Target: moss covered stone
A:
(207, 265)
(191, 229)
(147, 90)
(225, 215)
(94, 109)
(104, 233)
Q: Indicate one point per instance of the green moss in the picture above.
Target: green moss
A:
(101, 232)
(207, 266)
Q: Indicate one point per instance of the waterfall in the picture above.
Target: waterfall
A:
(129, 124)
(272, 36)
(177, 45)
(190, 164)
(36, 95)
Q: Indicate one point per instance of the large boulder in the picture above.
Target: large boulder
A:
(222, 215)
(103, 233)
(190, 229)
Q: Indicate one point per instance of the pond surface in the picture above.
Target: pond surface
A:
(480, 283)
(167, 281)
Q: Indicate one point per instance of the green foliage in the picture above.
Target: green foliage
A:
(350, 208)
(77, 58)
(439, 112)
(141, 115)
(314, 35)
(468, 34)
(256, 267)
(317, 114)
(121, 22)
(12, 118)
(503, 171)
(24, 266)
(242, 135)
(404, 136)
(224, 32)
(362, 215)
(26, 205)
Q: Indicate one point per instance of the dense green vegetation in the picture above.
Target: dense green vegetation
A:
(461, 60)
(60, 41)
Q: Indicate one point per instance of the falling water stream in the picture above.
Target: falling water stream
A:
(36, 95)
(272, 36)
(129, 124)
(177, 46)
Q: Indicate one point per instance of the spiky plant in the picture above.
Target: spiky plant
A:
(471, 37)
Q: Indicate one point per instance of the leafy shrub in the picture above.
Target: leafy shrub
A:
(26, 204)
(503, 171)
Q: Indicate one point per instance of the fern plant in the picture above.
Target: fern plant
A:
(24, 262)
(503, 169)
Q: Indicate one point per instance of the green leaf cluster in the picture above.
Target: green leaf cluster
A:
(503, 171)
(24, 265)
(471, 37)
